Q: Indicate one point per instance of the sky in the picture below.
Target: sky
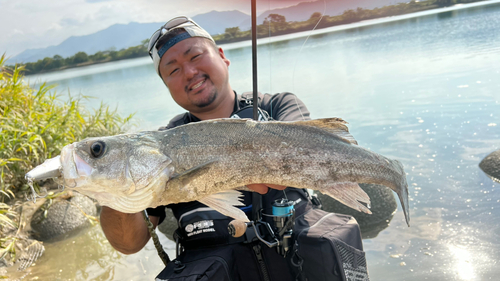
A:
(32, 24)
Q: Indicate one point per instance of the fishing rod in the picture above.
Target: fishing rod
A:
(278, 235)
(283, 214)
(254, 59)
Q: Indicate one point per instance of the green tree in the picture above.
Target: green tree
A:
(349, 15)
(443, 3)
(99, 56)
(276, 22)
(315, 16)
(80, 57)
(57, 61)
(232, 32)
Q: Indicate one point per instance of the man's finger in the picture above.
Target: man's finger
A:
(275, 186)
(258, 187)
(263, 188)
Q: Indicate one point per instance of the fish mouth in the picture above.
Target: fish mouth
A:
(73, 166)
(82, 168)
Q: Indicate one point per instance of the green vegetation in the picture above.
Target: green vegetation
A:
(276, 24)
(81, 58)
(34, 126)
(273, 25)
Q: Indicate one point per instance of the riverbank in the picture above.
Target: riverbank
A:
(272, 31)
(103, 66)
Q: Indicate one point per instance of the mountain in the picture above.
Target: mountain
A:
(117, 36)
(216, 22)
(304, 10)
(121, 36)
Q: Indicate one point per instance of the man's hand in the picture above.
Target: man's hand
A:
(263, 188)
(127, 233)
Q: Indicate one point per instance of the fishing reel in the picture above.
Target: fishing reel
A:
(278, 235)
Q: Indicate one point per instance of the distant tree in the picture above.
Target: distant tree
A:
(232, 32)
(361, 13)
(349, 15)
(113, 55)
(47, 63)
(445, 2)
(99, 56)
(80, 57)
(315, 16)
(276, 22)
(57, 61)
(275, 18)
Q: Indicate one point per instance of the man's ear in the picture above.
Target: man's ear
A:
(223, 56)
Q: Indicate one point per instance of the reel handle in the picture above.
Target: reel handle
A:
(237, 228)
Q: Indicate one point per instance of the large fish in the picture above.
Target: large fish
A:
(208, 160)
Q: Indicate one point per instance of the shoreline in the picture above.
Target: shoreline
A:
(296, 35)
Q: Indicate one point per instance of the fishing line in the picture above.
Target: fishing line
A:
(295, 64)
(300, 50)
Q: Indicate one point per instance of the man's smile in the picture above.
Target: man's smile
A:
(198, 84)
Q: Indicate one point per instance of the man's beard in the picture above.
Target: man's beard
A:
(207, 101)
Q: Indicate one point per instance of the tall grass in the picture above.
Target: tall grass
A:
(35, 124)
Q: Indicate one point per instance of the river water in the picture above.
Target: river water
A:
(424, 90)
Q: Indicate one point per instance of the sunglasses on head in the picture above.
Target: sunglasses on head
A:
(166, 28)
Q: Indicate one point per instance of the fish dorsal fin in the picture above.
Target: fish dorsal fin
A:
(184, 178)
(224, 202)
(334, 125)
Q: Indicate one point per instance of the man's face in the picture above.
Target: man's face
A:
(195, 73)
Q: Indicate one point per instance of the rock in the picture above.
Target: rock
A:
(383, 206)
(64, 218)
(169, 224)
(491, 165)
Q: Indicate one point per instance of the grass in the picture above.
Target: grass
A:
(35, 124)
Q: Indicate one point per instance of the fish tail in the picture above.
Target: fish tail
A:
(402, 190)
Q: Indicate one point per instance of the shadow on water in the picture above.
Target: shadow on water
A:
(89, 256)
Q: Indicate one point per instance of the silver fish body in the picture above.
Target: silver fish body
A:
(208, 160)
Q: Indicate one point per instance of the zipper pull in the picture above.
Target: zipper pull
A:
(260, 259)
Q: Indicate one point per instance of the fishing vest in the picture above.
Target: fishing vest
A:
(206, 251)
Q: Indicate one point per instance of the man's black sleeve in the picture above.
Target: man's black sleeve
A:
(285, 107)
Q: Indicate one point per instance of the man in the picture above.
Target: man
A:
(195, 71)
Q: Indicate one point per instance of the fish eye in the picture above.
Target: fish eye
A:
(97, 149)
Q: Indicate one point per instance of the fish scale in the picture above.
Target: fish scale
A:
(198, 160)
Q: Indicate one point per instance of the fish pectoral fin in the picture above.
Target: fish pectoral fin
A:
(349, 194)
(224, 202)
(334, 125)
(184, 178)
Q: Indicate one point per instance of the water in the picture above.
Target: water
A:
(425, 91)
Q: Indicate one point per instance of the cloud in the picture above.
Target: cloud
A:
(69, 22)
(43, 23)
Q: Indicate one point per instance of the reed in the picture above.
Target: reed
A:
(35, 124)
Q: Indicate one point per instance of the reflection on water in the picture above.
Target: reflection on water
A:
(89, 256)
(425, 91)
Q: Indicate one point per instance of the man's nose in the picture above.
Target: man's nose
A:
(190, 71)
